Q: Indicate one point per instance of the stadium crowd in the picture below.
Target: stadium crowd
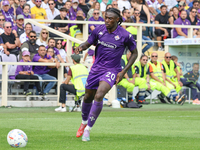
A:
(21, 39)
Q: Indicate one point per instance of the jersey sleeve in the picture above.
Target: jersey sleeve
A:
(92, 39)
(130, 42)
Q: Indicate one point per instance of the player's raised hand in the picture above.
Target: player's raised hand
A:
(78, 49)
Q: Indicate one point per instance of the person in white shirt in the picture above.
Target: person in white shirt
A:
(170, 4)
(43, 38)
(31, 3)
(103, 5)
(45, 4)
(52, 12)
(62, 52)
(24, 37)
(123, 3)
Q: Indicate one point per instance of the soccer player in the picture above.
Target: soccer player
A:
(110, 40)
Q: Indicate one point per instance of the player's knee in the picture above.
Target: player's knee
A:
(99, 97)
(88, 98)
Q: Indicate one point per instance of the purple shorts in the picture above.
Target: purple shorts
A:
(94, 79)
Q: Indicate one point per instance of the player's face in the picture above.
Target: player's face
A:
(196, 68)
(111, 20)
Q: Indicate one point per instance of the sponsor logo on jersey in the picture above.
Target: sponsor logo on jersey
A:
(107, 44)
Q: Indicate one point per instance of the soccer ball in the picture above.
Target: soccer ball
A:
(17, 138)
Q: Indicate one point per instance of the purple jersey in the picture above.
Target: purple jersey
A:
(26, 17)
(8, 16)
(95, 25)
(41, 69)
(179, 21)
(19, 11)
(109, 48)
(56, 51)
(22, 68)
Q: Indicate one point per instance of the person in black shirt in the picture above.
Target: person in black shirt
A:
(192, 17)
(59, 4)
(11, 39)
(84, 7)
(62, 27)
(162, 18)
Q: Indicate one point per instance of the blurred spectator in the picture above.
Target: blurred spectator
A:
(26, 11)
(152, 5)
(68, 4)
(54, 71)
(3, 48)
(59, 4)
(24, 37)
(115, 4)
(41, 71)
(181, 32)
(19, 9)
(25, 72)
(162, 18)
(52, 44)
(76, 29)
(45, 4)
(62, 52)
(197, 35)
(12, 7)
(108, 6)
(62, 27)
(10, 39)
(30, 45)
(122, 4)
(195, 4)
(181, 6)
(95, 17)
(103, 5)
(144, 15)
(85, 8)
(5, 11)
(171, 12)
(43, 38)
(170, 4)
(37, 12)
(31, 3)
(160, 3)
(192, 17)
(145, 40)
(19, 28)
(52, 12)
(96, 5)
(126, 14)
(198, 15)
(78, 72)
(174, 16)
(2, 20)
(16, 4)
(81, 14)
(73, 10)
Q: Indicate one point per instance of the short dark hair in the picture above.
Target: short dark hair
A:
(144, 56)
(28, 24)
(32, 32)
(25, 6)
(51, 39)
(195, 64)
(174, 57)
(195, 1)
(124, 10)
(42, 46)
(63, 9)
(183, 10)
(50, 48)
(163, 6)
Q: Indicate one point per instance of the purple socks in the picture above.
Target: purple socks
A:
(86, 110)
(94, 112)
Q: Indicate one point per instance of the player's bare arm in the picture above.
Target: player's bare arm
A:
(82, 47)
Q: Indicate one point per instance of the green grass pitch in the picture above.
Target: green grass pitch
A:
(153, 127)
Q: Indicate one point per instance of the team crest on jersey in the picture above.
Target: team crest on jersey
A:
(100, 33)
(130, 36)
(117, 37)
